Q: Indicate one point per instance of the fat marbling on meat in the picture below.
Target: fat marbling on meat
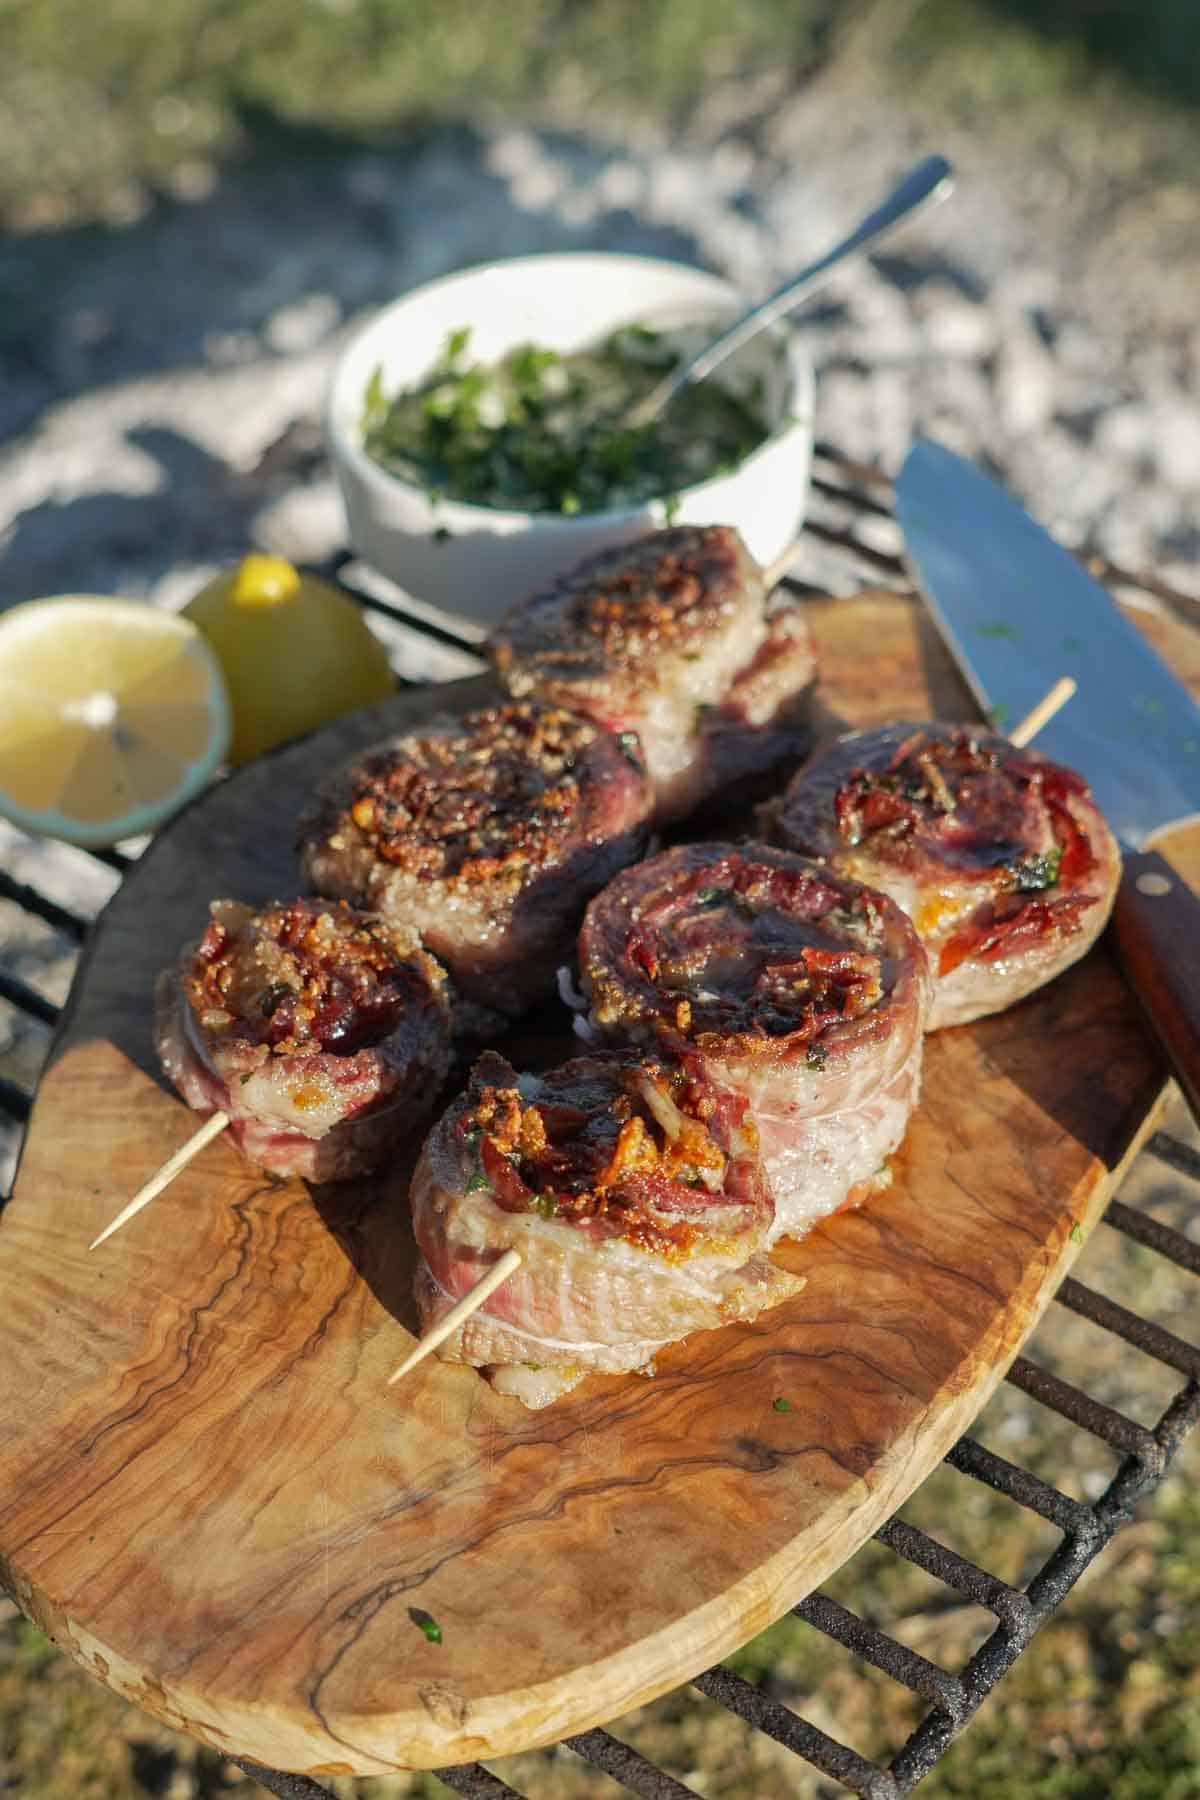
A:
(801, 990)
(633, 1190)
(486, 835)
(1001, 857)
(323, 1033)
(672, 638)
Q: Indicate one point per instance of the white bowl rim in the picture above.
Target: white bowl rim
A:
(348, 445)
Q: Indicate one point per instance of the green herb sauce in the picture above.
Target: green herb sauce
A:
(543, 432)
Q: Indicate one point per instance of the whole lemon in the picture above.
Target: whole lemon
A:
(294, 649)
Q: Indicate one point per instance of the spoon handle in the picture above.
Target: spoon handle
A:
(931, 180)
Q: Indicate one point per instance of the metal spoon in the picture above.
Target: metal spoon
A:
(931, 180)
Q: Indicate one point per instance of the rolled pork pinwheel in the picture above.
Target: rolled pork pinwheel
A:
(484, 834)
(1000, 857)
(672, 639)
(634, 1193)
(793, 986)
(323, 1033)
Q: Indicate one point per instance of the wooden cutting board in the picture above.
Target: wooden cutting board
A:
(211, 1499)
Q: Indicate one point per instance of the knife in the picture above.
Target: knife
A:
(1016, 611)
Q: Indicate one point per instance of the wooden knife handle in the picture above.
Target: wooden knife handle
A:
(1156, 927)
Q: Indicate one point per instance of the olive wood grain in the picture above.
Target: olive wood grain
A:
(210, 1497)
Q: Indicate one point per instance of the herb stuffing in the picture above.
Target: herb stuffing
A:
(544, 432)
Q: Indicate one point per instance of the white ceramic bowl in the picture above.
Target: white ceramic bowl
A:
(563, 302)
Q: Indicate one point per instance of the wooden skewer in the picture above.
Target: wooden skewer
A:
(775, 571)
(211, 1128)
(470, 1302)
(1043, 712)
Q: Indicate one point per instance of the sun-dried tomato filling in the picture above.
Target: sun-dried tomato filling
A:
(492, 797)
(303, 976)
(746, 947)
(976, 806)
(988, 813)
(622, 1149)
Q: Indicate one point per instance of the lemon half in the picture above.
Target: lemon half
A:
(112, 715)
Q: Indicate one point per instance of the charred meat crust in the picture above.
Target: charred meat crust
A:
(671, 638)
(322, 1032)
(619, 612)
(485, 835)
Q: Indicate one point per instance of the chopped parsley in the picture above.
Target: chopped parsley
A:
(1037, 870)
(426, 1624)
(545, 432)
(781, 1405)
(544, 1205)
(477, 1181)
(630, 746)
(1077, 1233)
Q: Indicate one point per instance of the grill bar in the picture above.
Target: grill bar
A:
(14, 1101)
(19, 994)
(1178, 1156)
(625, 1765)
(114, 859)
(970, 1458)
(876, 1647)
(1050, 1586)
(1141, 1333)
(880, 561)
(1008, 1604)
(475, 1782)
(454, 638)
(858, 500)
(276, 1781)
(28, 898)
(1073, 1404)
(865, 475)
(825, 1753)
(1164, 1238)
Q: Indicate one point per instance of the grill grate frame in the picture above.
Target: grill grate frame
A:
(848, 497)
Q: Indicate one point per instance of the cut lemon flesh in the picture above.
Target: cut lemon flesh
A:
(112, 715)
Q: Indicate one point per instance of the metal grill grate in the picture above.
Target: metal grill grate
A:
(850, 515)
